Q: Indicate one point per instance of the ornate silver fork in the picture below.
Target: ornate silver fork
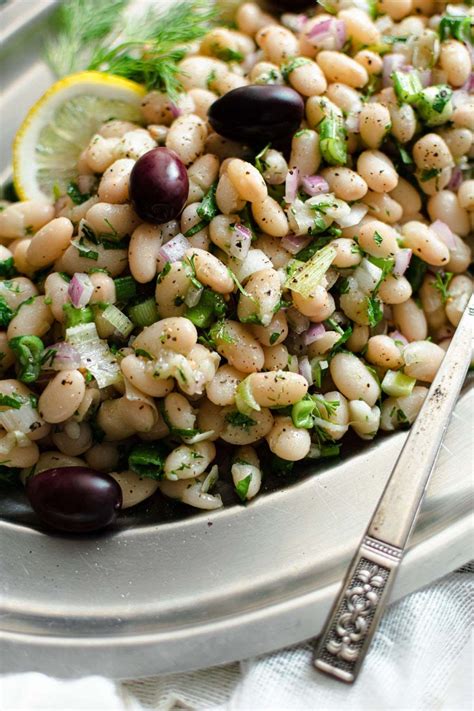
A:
(356, 613)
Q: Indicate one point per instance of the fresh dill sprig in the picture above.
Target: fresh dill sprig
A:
(144, 48)
(80, 28)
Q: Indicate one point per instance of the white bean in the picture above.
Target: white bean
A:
(189, 461)
(353, 379)
(62, 396)
(135, 489)
(422, 360)
(287, 441)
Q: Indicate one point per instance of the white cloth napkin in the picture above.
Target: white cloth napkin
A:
(421, 659)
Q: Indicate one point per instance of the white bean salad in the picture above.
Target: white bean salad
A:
(274, 259)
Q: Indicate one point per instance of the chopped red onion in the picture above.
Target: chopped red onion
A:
(456, 179)
(80, 290)
(352, 122)
(298, 323)
(397, 336)
(294, 243)
(173, 250)
(304, 367)
(295, 23)
(358, 211)
(63, 357)
(314, 332)
(469, 85)
(425, 77)
(174, 110)
(240, 241)
(327, 34)
(314, 185)
(444, 233)
(391, 63)
(291, 184)
(402, 260)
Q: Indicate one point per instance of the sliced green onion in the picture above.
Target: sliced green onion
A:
(397, 384)
(244, 399)
(29, 351)
(332, 140)
(144, 313)
(10, 401)
(407, 86)
(74, 316)
(118, 320)
(307, 277)
(125, 288)
(147, 460)
(301, 413)
(210, 305)
(457, 26)
(434, 104)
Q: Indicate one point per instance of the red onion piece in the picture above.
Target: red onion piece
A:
(425, 77)
(402, 260)
(314, 185)
(294, 243)
(327, 34)
(358, 211)
(392, 63)
(469, 85)
(80, 290)
(444, 233)
(63, 357)
(456, 179)
(304, 367)
(173, 250)
(397, 336)
(240, 241)
(314, 332)
(291, 184)
(175, 110)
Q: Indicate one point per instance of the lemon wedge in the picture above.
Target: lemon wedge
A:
(60, 125)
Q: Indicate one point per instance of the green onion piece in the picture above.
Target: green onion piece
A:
(147, 460)
(307, 277)
(209, 306)
(332, 140)
(7, 268)
(434, 104)
(29, 351)
(144, 313)
(457, 26)
(125, 288)
(242, 487)
(397, 384)
(118, 320)
(407, 86)
(74, 316)
(301, 413)
(330, 450)
(244, 399)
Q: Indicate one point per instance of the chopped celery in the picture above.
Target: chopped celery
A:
(244, 399)
(407, 86)
(118, 320)
(144, 314)
(332, 140)
(95, 354)
(310, 274)
(397, 384)
(434, 104)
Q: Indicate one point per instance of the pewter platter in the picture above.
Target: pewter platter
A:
(151, 597)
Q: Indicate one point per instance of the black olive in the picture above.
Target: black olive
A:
(257, 114)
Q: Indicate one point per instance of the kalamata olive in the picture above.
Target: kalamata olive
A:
(74, 499)
(257, 114)
(159, 186)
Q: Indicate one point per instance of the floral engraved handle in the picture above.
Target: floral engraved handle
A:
(355, 614)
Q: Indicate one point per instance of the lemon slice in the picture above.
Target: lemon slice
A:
(60, 125)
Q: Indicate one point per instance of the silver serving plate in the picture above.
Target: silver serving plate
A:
(150, 597)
